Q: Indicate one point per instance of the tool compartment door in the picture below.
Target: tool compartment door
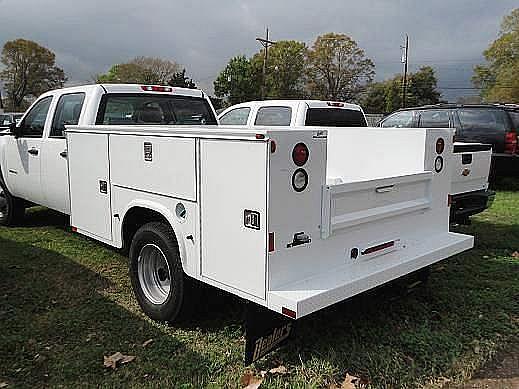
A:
(90, 184)
(233, 181)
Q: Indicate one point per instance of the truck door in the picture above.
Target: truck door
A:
(54, 156)
(24, 154)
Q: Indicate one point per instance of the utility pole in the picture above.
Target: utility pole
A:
(405, 61)
(265, 42)
(1, 103)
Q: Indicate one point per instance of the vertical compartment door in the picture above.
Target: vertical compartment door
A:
(233, 213)
(90, 184)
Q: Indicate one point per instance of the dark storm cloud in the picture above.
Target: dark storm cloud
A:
(89, 36)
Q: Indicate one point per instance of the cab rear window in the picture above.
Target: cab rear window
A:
(335, 117)
(135, 109)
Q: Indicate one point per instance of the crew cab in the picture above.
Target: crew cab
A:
(472, 161)
(294, 113)
(291, 220)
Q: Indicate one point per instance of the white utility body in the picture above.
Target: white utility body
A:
(293, 237)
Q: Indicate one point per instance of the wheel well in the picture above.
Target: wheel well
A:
(134, 219)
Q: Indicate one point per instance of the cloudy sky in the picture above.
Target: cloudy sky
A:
(88, 36)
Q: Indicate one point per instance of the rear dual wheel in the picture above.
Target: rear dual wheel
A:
(158, 281)
(12, 209)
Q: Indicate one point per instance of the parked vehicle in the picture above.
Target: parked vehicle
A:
(472, 161)
(8, 118)
(294, 113)
(494, 124)
(291, 220)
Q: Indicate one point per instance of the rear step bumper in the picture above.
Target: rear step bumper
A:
(310, 295)
(467, 204)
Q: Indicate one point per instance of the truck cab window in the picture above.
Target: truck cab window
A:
(335, 117)
(67, 113)
(236, 116)
(273, 116)
(400, 119)
(434, 119)
(138, 109)
(34, 122)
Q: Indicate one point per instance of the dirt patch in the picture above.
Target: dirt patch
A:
(502, 372)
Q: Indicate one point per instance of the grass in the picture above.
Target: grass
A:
(65, 302)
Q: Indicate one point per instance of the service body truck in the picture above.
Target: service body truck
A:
(290, 219)
(470, 167)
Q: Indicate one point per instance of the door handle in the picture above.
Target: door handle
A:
(64, 154)
(33, 151)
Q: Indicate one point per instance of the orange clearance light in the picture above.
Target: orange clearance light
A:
(260, 136)
(271, 242)
(273, 146)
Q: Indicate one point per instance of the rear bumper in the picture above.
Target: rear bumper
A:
(467, 204)
(310, 295)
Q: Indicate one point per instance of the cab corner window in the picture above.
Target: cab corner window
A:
(238, 116)
(273, 116)
(67, 113)
(34, 122)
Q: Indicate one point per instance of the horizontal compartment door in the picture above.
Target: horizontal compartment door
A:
(470, 170)
(352, 204)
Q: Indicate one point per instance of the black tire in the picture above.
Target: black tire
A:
(156, 234)
(12, 209)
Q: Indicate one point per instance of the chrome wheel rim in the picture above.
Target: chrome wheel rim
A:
(154, 274)
(3, 205)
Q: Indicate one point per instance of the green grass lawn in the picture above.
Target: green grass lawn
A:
(66, 301)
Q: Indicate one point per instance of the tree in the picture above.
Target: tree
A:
(498, 78)
(30, 70)
(386, 96)
(141, 70)
(239, 81)
(285, 71)
(181, 80)
(337, 68)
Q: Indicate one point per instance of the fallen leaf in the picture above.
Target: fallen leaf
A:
(248, 381)
(515, 254)
(278, 370)
(348, 383)
(4, 384)
(147, 342)
(113, 359)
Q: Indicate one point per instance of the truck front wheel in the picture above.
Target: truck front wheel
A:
(12, 209)
(156, 272)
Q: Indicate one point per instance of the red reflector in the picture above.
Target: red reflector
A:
(260, 136)
(153, 88)
(440, 145)
(511, 142)
(271, 242)
(300, 154)
(74, 229)
(288, 312)
(272, 146)
(379, 247)
(449, 200)
(335, 104)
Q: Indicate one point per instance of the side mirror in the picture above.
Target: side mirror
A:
(15, 130)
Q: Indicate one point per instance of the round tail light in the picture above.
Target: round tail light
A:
(300, 180)
(300, 154)
(440, 145)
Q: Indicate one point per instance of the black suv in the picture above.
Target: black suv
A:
(495, 124)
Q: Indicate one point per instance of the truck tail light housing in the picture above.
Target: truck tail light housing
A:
(154, 88)
(511, 142)
(300, 154)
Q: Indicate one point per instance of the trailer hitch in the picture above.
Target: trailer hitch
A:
(265, 331)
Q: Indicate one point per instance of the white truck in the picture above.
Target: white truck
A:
(470, 167)
(289, 219)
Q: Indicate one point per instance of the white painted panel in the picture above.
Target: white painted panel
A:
(233, 179)
(169, 170)
(88, 166)
(471, 176)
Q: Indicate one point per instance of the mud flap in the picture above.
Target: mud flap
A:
(265, 331)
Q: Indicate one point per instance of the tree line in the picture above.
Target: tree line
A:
(334, 67)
